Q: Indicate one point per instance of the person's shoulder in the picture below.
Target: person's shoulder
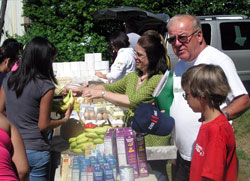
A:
(132, 74)
(220, 124)
(212, 51)
(132, 34)
(45, 83)
(129, 50)
(156, 77)
(213, 56)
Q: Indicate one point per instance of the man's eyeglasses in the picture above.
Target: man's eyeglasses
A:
(180, 38)
(185, 96)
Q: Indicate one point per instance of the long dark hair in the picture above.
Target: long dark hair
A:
(119, 40)
(36, 63)
(155, 52)
(10, 49)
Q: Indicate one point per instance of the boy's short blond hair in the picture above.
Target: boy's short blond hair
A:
(208, 81)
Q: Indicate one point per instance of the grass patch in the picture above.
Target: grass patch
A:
(242, 125)
(242, 135)
(241, 154)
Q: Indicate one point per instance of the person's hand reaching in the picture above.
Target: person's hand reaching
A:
(101, 75)
(92, 93)
(78, 90)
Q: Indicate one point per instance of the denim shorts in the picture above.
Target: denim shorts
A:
(39, 164)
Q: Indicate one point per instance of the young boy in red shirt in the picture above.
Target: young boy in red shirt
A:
(214, 152)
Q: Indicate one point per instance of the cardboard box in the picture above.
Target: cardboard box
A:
(110, 143)
(64, 170)
(121, 150)
(130, 145)
(142, 156)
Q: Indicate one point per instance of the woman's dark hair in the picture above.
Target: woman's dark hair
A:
(11, 48)
(119, 40)
(155, 52)
(36, 62)
(3, 55)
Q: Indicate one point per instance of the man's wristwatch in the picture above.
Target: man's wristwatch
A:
(226, 114)
(103, 93)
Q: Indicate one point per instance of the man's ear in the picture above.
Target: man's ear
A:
(200, 36)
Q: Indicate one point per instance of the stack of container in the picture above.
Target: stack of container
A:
(82, 69)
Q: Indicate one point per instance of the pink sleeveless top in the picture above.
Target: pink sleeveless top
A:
(6, 150)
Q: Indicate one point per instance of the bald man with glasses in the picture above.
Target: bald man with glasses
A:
(188, 43)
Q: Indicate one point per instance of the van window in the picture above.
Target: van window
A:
(235, 35)
(206, 29)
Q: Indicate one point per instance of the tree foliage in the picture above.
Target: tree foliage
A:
(69, 24)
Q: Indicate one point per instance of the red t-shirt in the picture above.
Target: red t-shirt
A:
(214, 153)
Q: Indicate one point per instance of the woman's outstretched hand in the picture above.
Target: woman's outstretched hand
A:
(91, 93)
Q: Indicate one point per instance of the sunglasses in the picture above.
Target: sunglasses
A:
(180, 38)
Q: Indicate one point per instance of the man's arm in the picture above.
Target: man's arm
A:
(238, 106)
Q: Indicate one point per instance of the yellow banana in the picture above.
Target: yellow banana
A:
(80, 145)
(100, 130)
(98, 141)
(89, 130)
(58, 89)
(76, 150)
(72, 139)
(73, 144)
(71, 101)
(67, 97)
(81, 135)
(81, 140)
(91, 135)
(101, 136)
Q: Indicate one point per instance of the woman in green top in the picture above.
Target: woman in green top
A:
(137, 87)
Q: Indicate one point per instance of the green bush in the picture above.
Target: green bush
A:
(68, 24)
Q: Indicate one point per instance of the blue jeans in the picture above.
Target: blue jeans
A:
(39, 164)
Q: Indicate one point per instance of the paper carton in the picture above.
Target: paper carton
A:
(120, 144)
(142, 156)
(130, 145)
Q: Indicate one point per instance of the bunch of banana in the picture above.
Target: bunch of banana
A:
(59, 88)
(88, 139)
(62, 106)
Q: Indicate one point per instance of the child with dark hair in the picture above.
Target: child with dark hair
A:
(9, 55)
(214, 152)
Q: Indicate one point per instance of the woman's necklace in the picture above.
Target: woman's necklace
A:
(141, 79)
